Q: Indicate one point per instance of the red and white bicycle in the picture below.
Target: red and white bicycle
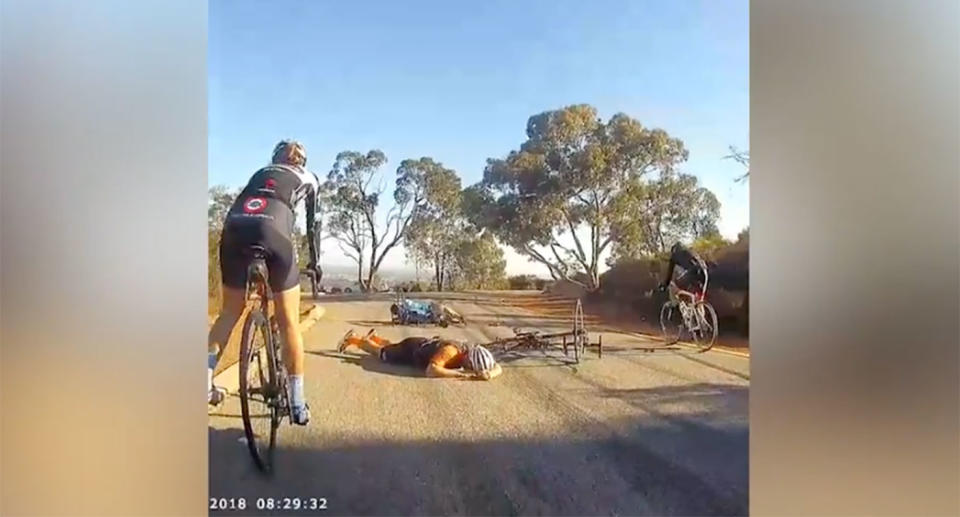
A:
(688, 314)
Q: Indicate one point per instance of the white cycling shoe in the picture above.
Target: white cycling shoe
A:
(300, 415)
(216, 396)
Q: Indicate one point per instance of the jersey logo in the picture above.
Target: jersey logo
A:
(254, 205)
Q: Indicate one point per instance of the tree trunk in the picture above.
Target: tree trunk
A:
(594, 277)
(360, 272)
(370, 276)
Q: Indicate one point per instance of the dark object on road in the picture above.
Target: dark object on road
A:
(405, 311)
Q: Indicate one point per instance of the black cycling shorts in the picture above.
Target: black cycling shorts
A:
(412, 351)
(238, 235)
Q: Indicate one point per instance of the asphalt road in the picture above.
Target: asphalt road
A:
(639, 432)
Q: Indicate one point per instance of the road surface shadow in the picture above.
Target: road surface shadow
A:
(371, 364)
(643, 350)
(378, 324)
(534, 359)
(660, 463)
(372, 323)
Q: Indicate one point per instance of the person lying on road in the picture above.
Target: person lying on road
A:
(438, 357)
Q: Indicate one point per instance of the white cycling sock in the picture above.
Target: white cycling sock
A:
(211, 364)
(296, 390)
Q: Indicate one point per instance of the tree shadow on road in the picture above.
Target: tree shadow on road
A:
(657, 462)
(371, 364)
(372, 323)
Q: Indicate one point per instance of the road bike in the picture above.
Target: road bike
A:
(689, 314)
(264, 394)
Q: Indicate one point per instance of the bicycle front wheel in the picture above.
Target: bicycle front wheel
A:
(705, 334)
(671, 322)
(259, 389)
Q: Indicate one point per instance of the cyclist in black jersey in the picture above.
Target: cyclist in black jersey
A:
(263, 214)
(695, 267)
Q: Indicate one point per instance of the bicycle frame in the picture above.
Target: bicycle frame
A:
(687, 300)
(694, 297)
(257, 280)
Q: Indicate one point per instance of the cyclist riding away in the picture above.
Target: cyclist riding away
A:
(263, 215)
(436, 356)
(695, 268)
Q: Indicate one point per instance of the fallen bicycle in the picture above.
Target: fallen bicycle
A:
(573, 342)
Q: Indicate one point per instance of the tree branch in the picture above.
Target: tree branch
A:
(581, 256)
(534, 254)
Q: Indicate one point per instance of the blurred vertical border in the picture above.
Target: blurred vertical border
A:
(854, 393)
(103, 259)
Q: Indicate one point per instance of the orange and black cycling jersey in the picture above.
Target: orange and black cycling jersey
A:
(448, 356)
(439, 352)
(418, 351)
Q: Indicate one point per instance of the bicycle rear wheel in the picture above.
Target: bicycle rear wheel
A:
(671, 322)
(705, 335)
(259, 389)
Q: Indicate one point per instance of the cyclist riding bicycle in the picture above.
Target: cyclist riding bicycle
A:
(264, 215)
(438, 357)
(695, 268)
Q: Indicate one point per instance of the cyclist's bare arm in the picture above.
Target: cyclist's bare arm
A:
(492, 374)
(435, 370)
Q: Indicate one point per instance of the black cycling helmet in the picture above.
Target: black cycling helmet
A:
(290, 152)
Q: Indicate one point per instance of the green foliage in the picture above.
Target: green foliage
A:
(525, 282)
(479, 263)
(744, 236)
(218, 204)
(352, 195)
(219, 200)
(655, 214)
(709, 246)
(437, 226)
(558, 199)
(214, 291)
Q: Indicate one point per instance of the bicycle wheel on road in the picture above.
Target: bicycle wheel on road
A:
(671, 322)
(580, 336)
(259, 389)
(706, 333)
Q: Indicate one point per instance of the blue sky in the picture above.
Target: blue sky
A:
(457, 81)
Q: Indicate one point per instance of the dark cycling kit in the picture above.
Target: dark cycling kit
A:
(695, 267)
(263, 214)
(421, 351)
